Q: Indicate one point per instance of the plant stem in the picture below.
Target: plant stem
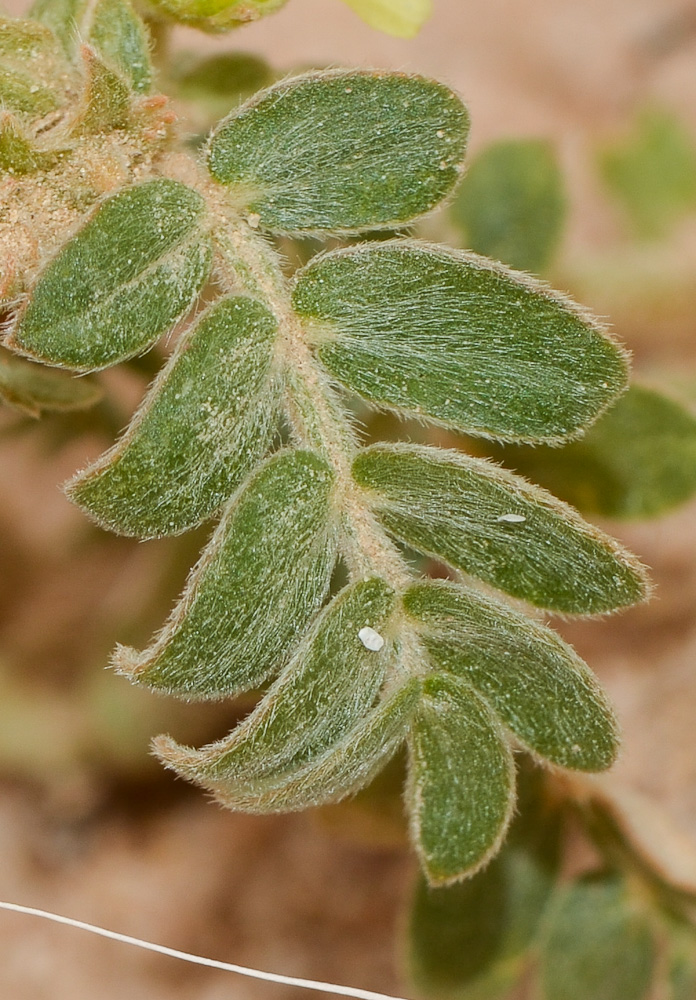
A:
(317, 417)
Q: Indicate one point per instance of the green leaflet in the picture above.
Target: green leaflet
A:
(216, 15)
(600, 945)
(511, 205)
(258, 584)
(475, 939)
(342, 151)
(221, 81)
(344, 768)
(472, 939)
(32, 78)
(403, 18)
(32, 388)
(111, 26)
(328, 686)
(638, 461)
(126, 277)
(535, 682)
(461, 787)
(106, 99)
(495, 526)
(652, 172)
(18, 155)
(455, 338)
(207, 419)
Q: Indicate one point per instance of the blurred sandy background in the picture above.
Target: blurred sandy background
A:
(148, 857)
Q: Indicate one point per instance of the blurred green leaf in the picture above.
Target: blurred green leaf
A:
(535, 682)
(126, 277)
(208, 418)
(461, 783)
(215, 15)
(600, 944)
(456, 338)
(342, 150)
(495, 526)
(637, 461)
(474, 940)
(31, 388)
(511, 204)
(403, 18)
(323, 693)
(258, 584)
(221, 81)
(652, 172)
(681, 964)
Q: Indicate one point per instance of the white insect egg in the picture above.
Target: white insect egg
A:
(370, 639)
(512, 518)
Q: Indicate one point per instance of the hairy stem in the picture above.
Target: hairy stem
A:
(317, 417)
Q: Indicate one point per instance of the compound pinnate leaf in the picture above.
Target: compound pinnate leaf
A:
(403, 18)
(122, 280)
(206, 421)
(344, 768)
(600, 945)
(456, 338)
(31, 388)
(111, 26)
(461, 785)
(495, 526)
(260, 581)
(511, 204)
(328, 686)
(637, 461)
(342, 151)
(535, 682)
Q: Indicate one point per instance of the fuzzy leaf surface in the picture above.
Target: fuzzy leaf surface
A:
(106, 98)
(111, 26)
(637, 461)
(600, 945)
(342, 151)
(458, 339)
(495, 526)
(511, 205)
(461, 780)
(536, 683)
(344, 768)
(206, 421)
(216, 15)
(329, 685)
(258, 584)
(18, 154)
(32, 388)
(135, 267)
